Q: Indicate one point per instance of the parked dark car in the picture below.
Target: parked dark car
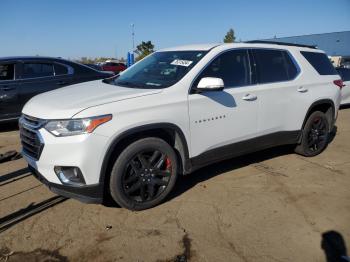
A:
(113, 67)
(344, 73)
(21, 78)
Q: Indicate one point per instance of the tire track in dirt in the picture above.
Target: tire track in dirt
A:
(290, 197)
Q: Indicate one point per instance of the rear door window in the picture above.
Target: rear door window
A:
(34, 70)
(320, 63)
(274, 66)
(7, 72)
(291, 68)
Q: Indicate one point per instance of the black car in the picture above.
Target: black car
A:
(21, 78)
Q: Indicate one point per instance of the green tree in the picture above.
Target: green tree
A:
(230, 36)
(144, 49)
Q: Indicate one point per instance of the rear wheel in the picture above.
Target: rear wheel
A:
(144, 174)
(315, 135)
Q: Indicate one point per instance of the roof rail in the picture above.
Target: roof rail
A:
(279, 43)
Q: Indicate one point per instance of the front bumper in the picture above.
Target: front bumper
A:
(44, 152)
(86, 194)
(83, 151)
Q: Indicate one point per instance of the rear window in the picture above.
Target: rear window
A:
(274, 66)
(320, 62)
(344, 73)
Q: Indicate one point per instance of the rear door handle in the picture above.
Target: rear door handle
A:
(302, 89)
(249, 97)
(61, 83)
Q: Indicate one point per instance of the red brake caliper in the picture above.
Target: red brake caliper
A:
(168, 164)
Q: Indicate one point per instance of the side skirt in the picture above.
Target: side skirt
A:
(244, 147)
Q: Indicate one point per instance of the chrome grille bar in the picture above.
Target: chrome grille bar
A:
(31, 142)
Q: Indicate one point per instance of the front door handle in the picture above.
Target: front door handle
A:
(302, 89)
(249, 97)
(6, 88)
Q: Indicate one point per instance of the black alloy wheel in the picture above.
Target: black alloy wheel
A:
(144, 174)
(315, 135)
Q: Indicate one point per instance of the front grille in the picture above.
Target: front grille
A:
(31, 142)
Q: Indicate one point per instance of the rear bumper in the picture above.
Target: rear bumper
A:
(86, 194)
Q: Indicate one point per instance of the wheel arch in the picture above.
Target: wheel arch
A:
(169, 132)
(326, 106)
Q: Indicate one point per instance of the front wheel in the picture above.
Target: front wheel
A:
(144, 174)
(315, 135)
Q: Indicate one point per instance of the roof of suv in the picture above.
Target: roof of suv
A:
(198, 47)
(207, 47)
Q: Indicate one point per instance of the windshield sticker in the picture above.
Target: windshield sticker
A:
(152, 84)
(179, 62)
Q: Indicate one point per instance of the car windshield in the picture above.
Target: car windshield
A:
(159, 70)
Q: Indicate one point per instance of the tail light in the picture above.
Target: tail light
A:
(339, 83)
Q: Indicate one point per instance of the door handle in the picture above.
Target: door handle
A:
(61, 83)
(7, 88)
(249, 97)
(302, 89)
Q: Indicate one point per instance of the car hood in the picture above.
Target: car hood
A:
(68, 101)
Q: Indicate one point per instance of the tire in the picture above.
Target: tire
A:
(315, 135)
(144, 174)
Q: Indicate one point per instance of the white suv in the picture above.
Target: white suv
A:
(178, 109)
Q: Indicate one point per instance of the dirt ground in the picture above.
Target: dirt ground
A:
(267, 206)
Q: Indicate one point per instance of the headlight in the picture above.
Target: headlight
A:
(71, 127)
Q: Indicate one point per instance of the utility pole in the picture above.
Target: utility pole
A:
(133, 36)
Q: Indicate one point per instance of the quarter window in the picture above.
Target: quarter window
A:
(274, 66)
(232, 67)
(33, 70)
(320, 62)
(60, 69)
(7, 72)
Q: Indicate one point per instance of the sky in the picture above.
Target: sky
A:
(102, 28)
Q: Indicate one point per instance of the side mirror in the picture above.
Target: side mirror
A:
(210, 84)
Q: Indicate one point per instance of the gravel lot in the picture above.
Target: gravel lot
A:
(268, 206)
